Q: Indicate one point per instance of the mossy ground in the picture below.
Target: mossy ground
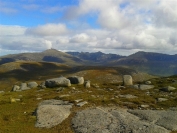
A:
(19, 117)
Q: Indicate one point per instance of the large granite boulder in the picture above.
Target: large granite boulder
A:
(168, 89)
(58, 82)
(127, 80)
(16, 88)
(32, 85)
(52, 112)
(24, 86)
(76, 80)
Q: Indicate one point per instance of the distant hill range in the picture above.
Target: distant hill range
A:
(152, 63)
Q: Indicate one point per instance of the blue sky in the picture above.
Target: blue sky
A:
(111, 26)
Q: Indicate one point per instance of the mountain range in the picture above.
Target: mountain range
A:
(149, 62)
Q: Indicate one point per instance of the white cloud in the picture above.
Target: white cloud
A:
(81, 38)
(11, 30)
(139, 25)
(48, 30)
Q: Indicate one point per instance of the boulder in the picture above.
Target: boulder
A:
(148, 82)
(146, 87)
(76, 80)
(52, 112)
(127, 80)
(23, 86)
(168, 89)
(32, 85)
(58, 82)
(87, 84)
(15, 88)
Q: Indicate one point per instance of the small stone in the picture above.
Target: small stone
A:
(64, 96)
(39, 98)
(145, 106)
(162, 99)
(1, 91)
(78, 100)
(82, 103)
(148, 82)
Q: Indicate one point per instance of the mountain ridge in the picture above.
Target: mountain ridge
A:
(149, 62)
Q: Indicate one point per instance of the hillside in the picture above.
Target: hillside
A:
(98, 57)
(147, 62)
(152, 63)
(50, 55)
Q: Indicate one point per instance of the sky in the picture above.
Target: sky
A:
(111, 26)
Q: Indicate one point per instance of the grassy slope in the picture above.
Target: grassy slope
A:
(17, 117)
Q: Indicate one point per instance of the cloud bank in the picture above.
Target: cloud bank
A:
(123, 27)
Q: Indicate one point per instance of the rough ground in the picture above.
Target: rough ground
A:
(107, 120)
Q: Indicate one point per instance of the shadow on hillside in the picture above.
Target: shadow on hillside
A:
(40, 71)
(119, 70)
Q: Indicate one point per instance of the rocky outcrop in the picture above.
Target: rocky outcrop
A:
(127, 80)
(57, 82)
(76, 80)
(52, 112)
(99, 120)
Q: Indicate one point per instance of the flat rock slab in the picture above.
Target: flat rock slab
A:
(104, 120)
(52, 112)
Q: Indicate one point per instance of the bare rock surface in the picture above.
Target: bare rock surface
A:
(52, 112)
(106, 120)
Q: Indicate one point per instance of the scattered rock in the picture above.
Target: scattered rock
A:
(129, 96)
(168, 89)
(39, 98)
(161, 99)
(144, 106)
(52, 112)
(135, 86)
(42, 85)
(78, 100)
(146, 87)
(15, 88)
(121, 87)
(23, 86)
(127, 80)
(87, 84)
(1, 91)
(82, 103)
(58, 82)
(76, 80)
(148, 82)
(61, 96)
(32, 85)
